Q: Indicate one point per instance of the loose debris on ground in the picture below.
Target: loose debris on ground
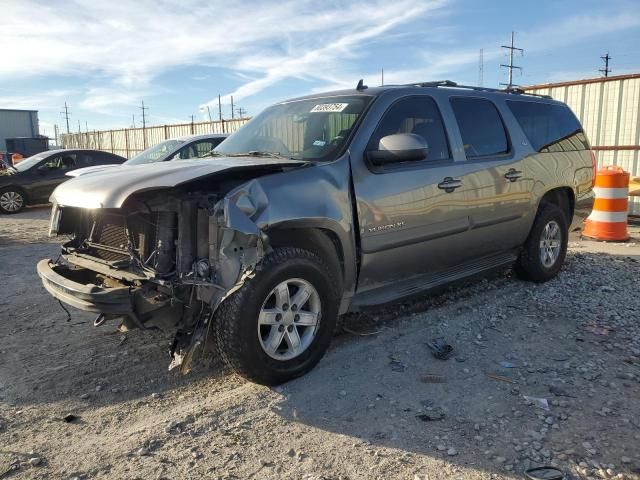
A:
(539, 375)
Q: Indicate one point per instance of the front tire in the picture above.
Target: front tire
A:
(279, 324)
(545, 249)
(12, 200)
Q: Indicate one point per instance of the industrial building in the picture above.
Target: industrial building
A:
(609, 110)
(17, 124)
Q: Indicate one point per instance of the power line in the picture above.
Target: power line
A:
(65, 115)
(606, 70)
(511, 66)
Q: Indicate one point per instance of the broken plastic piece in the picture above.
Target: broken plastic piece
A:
(440, 349)
(544, 473)
(538, 401)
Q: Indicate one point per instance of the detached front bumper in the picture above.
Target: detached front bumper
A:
(75, 288)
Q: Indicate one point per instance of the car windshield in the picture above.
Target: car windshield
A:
(314, 129)
(27, 163)
(157, 153)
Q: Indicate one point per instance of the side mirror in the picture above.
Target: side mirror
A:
(399, 147)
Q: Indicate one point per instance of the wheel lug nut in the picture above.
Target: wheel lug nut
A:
(296, 318)
(290, 328)
(294, 307)
(285, 307)
(281, 328)
(278, 317)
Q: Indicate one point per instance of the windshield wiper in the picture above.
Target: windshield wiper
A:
(257, 153)
(212, 153)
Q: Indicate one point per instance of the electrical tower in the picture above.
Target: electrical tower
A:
(606, 70)
(511, 66)
(241, 112)
(65, 115)
(481, 68)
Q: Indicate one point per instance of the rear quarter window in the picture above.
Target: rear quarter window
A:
(549, 127)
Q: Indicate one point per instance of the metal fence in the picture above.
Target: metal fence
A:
(609, 110)
(128, 142)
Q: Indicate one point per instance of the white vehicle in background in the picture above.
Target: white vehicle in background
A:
(181, 148)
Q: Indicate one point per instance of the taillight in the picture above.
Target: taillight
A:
(594, 167)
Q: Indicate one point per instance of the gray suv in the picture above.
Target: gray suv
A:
(322, 205)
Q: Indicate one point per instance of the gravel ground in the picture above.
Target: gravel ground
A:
(377, 406)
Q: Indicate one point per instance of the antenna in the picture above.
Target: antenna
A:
(361, 85)
(511, 66)
(606, 70)
(382, 77)
(481, 68)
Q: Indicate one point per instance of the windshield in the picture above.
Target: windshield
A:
(157, 153)
(315, 129)
(27, 163)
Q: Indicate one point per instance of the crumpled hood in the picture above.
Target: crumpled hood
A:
(110, 188)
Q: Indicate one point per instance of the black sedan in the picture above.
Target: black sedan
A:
(33, 179)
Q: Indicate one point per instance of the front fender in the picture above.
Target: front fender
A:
(316, 196)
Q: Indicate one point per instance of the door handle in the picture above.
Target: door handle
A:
(512, 174)
(449, 184)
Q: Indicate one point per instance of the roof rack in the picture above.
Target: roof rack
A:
(450, 84)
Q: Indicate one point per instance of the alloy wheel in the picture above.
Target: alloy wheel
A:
(11, 201)
(550, 244)
(289, 319)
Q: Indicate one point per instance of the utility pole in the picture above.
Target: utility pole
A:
(232, 115)
(192, 128)
(55, 132)
(220, 113)
(241, 112)
(133, 120)
(66, 116)
(511, 66)
(481, 68)
(606, 70)
(382, 77)
(144, 125)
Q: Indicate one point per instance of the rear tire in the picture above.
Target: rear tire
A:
(545, 249)
(257, 328)
(12, 200)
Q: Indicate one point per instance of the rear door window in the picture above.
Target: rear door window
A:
(482, 130)
(549, 127)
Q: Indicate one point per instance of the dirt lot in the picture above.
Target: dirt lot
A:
(369, 410)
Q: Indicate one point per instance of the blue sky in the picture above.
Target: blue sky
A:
(103, 58)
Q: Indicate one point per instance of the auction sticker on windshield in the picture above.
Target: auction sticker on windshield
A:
(329, 107)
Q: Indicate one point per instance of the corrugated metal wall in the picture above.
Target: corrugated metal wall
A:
(128, 142)
(609, 110)
(17, 123)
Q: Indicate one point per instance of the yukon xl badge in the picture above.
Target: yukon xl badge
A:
(383, 228)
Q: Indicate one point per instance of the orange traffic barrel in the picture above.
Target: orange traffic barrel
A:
(608, 219)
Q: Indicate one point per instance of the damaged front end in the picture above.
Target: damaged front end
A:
(164, 259)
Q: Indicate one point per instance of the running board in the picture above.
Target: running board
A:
(423, 283)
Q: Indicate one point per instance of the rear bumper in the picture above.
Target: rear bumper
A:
(60, 281)
(582, 209)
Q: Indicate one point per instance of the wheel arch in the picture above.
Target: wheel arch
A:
(322, 241)
(563, 197)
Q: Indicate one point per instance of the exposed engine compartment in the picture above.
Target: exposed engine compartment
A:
(177, 253)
